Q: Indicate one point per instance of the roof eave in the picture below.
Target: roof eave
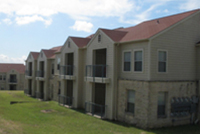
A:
(140, 40)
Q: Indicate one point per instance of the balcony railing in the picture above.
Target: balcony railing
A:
(40, 73)
(12, 80)
(95, 109)
(66, 70)
(96, 71)
(27, 91)
(39, 95)
(28, 73)
(65, 100)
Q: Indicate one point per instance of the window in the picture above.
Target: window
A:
(58, 64)
(131, 101)
(162, 61)
(99, 38)
(127, 61)
(52, 69)
(138, 61)
(162, 104)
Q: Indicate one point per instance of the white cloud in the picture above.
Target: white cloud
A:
(190, 4)
(30, 19)
(7, 59)
(139, 17)
(77, 9)
(7, 21)
(82, 26)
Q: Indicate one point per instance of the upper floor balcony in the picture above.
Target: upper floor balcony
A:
(28, 73)
(67, 72)
(40, 74)
(97, 73)
(12, 81)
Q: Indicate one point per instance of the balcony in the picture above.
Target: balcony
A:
(12, 81)
(40, 74)
(39, 95)
(66, 72)
(27, 91)
(94, 109)
(96, 73)
(65, 100)
(28, 74)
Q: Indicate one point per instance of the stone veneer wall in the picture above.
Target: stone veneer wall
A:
(146, 94)
(54, 87)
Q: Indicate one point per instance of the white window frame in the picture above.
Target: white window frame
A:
(135, 50)
(123, 61)
(166, 99)
(159, 50)
(128, 101)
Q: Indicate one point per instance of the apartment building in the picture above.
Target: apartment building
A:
(12, 76)
(71, 72)
(30, 74)
(146, 75)
(39, 73)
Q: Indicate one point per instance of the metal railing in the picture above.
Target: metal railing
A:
(27, 91)
(12, 80)
(40, 73)
(28, 73)
(39, 95)
(95, 109)
(66, 70)
(65, 100)
(96, 71)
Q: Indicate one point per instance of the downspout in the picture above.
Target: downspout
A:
(149, 78)
(116, 94)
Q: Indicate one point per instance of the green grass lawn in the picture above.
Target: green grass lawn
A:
(29, 118)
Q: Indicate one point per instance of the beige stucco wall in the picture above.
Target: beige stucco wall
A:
(80, 78)
(179, 42)
(33, 78)
(53, 86)
(132, 47)
(43, 58)
(110, 61)
(66, 50)
(146, 94)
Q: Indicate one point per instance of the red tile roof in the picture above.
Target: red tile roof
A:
(115, 35)
(35, 55)
(90, 36)
(58, 48)
(80, 42)
(146, 29)
(49, 53)
(6, 67)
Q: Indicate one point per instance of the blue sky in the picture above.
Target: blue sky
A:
(32, 25)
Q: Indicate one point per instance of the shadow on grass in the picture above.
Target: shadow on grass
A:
(16, 102)
(183, 129)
